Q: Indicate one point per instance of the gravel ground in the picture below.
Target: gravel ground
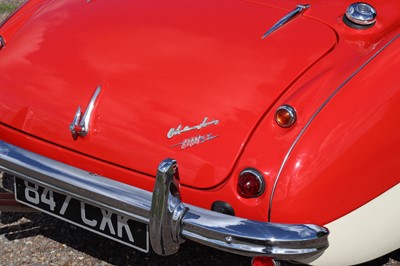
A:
(39, 239)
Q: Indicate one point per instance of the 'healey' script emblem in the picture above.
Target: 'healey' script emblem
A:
(80, 125)
(180, 129)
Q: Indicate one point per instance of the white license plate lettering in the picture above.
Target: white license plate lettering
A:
(88, 221)
(65, 205)
(31, 192)
(106, 221)
(122, 225)
(102, 221)
(48, 198)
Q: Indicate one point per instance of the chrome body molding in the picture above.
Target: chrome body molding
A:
(303, 130)
(170, 220)
(286, 19)
(80, 125)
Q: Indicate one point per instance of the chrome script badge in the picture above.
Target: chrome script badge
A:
(179, 129)
(193, 141)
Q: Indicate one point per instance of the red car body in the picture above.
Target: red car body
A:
(194, 81)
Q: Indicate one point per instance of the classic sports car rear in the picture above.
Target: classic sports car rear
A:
(282, 117)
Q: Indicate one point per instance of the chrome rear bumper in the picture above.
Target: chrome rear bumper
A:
(170, 220)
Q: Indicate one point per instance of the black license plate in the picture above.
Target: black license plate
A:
(99, 220)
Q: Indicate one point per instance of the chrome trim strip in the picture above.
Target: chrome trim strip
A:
(286, 19)
(229, 233)
(313, 117)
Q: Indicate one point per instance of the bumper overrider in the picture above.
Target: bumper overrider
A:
(170, 221)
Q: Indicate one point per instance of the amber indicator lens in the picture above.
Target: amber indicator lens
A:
(285, 116)
(250, 184)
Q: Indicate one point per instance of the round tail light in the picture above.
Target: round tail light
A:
(285, 116)
(263, 261)
(250, 184)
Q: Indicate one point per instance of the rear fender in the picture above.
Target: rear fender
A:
(347, 154)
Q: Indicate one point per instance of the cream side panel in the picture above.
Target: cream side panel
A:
(364, 234)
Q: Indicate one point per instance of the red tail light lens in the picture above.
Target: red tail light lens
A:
(263, 261)
(250, 184)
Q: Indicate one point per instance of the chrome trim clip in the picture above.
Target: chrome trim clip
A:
(80, 125)
(285, 19)
(170, 220)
